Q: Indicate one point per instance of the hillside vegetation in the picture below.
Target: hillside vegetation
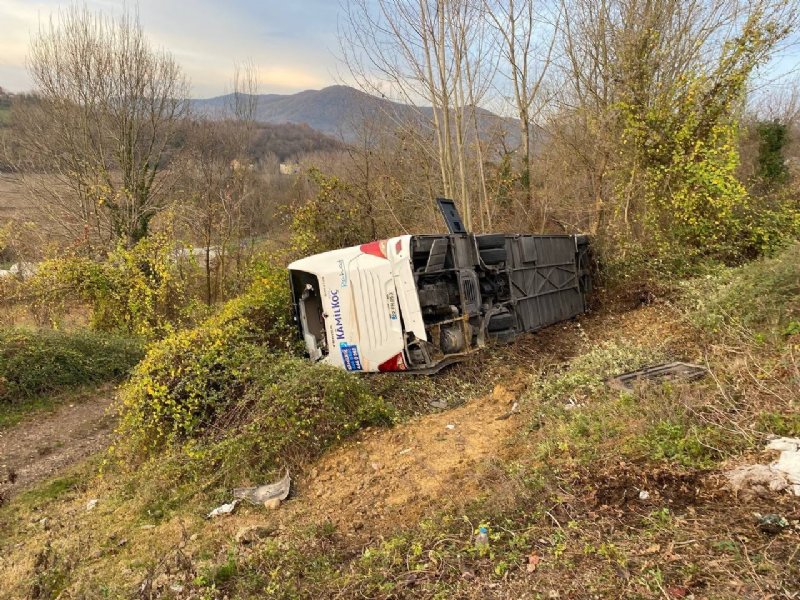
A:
(40, 362)
(144, 292)
(558, 485)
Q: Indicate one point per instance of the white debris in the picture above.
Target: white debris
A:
(262, 493)
(514, 410)
(450, 426)
(644, 495)
(406, 451)
(223, 509)
(782, 474)
(91, 504)
(788, 462)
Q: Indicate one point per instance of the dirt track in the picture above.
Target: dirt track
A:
(40, 447)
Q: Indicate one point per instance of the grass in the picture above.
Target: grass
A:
(51, 490)
(760, 299)
(34, 363)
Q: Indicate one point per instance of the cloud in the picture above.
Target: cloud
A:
(289, 42)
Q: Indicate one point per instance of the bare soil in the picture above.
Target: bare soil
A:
(391, 478)
(45, 444)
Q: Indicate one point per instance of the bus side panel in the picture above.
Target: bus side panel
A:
(545, 281)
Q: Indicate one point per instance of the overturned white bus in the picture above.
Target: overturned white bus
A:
(420, 302)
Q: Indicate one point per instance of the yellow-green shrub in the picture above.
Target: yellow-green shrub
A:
(290, 412)
(141, 290)
(189, 377)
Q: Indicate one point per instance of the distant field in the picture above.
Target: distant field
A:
(35, 227)
(15, 202)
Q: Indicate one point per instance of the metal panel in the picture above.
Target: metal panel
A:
(544, 279)
(451, 216)
(438, 255)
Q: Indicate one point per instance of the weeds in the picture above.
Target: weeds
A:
(761, 297)
(52, 490)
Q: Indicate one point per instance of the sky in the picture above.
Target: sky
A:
(292, 42)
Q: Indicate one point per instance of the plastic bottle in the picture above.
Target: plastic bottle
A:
(482, 541)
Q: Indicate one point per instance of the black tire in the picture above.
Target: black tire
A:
(500, 322)
(490, 240)
(493, 256)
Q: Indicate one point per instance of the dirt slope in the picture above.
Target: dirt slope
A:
(392, 478)
(45, 444)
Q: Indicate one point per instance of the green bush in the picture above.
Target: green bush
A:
(762, 296)
(36, 362)
(291, 411)
(190, 377)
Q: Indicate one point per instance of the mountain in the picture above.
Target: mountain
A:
(337, 110)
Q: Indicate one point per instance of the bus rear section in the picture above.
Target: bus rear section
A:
(348, 305)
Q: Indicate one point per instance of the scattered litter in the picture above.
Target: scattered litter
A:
(772, 524)
(678, 591)
(224, 509)
(789, 460)
(440, 404)
(782, 474)
(262, 493)
(375, 466)
(644, 495)
(663, 372)
(406, 451)
(533, 562)
(147, 527)
(176, 587)
(514, 410)
(91, 504)
(122, 542)
(450, 426)
(482, 541)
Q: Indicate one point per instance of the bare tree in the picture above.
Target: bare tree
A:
(528, 33)
(418, 50)
(102, 127)
(221, 182)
